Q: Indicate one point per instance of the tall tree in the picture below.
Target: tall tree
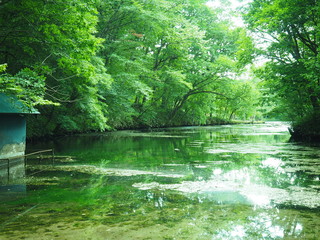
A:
(120, 63)
(292, 31)
(57, 39)
(162, 54)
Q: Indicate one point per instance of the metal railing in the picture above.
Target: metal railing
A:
(40, 153)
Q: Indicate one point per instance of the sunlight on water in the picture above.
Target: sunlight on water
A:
(272, 162)
(219, 182)
(258, 200)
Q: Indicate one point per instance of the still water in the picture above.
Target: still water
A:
(220, 182)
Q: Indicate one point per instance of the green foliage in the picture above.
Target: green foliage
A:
(307, 127)
(123, 64)
(168, 59)
(3, 67)
(292, 74)
(58, 41)
(27, 85)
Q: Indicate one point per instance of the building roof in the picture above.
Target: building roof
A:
(11, 104)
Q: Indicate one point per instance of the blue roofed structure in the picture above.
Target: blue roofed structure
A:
(12, 131)
(11, 105)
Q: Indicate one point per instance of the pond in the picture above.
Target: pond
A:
(217, 182)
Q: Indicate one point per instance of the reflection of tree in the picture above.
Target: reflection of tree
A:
(273, 224)
(293, 228)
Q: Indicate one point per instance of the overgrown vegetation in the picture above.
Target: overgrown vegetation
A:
(290, 30)
(102, 64)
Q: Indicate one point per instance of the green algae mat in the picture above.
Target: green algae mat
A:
(220, 182)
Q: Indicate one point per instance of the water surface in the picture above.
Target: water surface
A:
(220, 182)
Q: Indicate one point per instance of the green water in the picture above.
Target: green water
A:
(221, 182)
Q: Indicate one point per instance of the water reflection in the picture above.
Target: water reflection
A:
(221, 182)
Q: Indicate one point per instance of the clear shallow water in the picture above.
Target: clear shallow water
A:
(221, 182)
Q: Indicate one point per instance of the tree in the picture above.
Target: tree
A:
(164, 54)
(121, 63)
(27, 85)
(56, 39)
(293, 72)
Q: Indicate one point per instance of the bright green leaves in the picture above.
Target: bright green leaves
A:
(291, 30)
(246, 51)
(3, 67)
(68, 30)
(57, 39)
(242, 101)
(123, 63)
(163, 54)
(27, 85)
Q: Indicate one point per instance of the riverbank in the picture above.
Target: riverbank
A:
(304, 135)
(306, 129)
(220, 122)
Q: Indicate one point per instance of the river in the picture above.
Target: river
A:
(217, 182)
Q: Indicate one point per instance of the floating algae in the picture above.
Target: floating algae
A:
(221, 182)
(259, 195)
(89, 169)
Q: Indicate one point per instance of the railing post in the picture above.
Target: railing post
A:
(8, 169)
(25, 158)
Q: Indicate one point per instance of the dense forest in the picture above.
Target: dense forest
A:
(96, 65)
(290, 33)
